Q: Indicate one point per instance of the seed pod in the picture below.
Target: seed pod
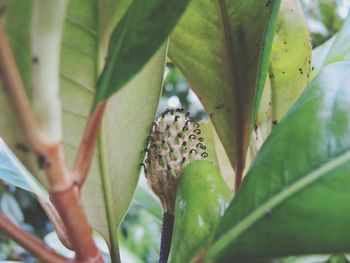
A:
(177, 145)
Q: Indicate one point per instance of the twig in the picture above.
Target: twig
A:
(35, 246)
(14, 87)
(87, 145)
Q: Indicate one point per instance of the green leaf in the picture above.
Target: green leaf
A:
(207, 133)
(201, 199)
(224, 57)
(290, 62)
(148, 201)
(294, 199)
(113, 177)
(334, 50)
(216, 151)
(263, 122)
(319, 55)
(338, 259)
(18, 33)
(112, 180)
(13, 172)
(140, 33)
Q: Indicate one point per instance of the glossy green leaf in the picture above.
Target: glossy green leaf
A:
(224, 57)
(112, 180)
(201, 199)
(290, 62)
(294, 199)
(140, 33)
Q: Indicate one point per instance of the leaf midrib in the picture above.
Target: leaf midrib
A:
(102, 153)
(276, 200)
(234, 86)
(107, 192)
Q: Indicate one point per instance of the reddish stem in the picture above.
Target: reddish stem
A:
(86, 150)
(13, 85)
(66, 199)
(56, 221)
(68, 206)
(51, 158)
(35, 246)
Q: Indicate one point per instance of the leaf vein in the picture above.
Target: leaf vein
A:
(276, 200)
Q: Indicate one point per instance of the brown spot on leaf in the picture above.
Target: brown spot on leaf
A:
(35, 59)
(219, 105)
(22, 147)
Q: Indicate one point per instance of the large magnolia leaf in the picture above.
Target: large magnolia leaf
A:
(295, 197)
(289, 72)
(115, 168)
(140, 33)
(290, 62)
(223, 52)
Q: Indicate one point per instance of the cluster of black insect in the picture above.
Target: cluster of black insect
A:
(174, 142)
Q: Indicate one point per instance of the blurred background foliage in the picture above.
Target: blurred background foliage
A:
(324, 18)
(140, 232)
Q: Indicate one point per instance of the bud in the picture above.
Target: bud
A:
(174, 142)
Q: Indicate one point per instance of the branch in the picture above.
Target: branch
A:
(35, 246)
(66, 199)
(86, 150)
(14, 87)
(51, 157)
